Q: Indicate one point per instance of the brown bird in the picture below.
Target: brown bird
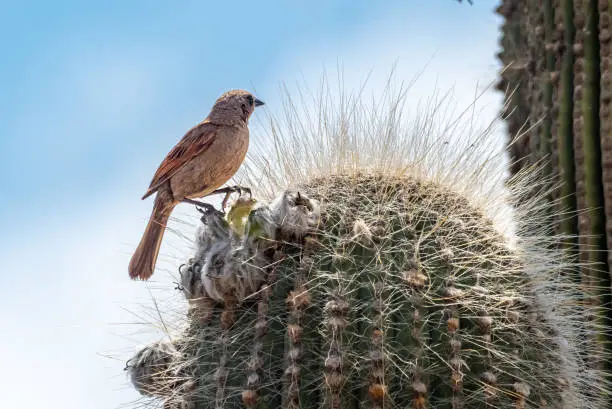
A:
(205, 158)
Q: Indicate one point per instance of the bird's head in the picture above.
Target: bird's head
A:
(234, 107)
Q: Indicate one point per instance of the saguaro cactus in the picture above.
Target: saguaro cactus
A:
(380, 276)
(561, 49)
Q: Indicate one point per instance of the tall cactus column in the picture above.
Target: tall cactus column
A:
(537, 78)
(589, 159)
(580, 125)
(603, 193)
(568, 223)
(581, 104)
(512, 49)
(550, 84)
(605, 110)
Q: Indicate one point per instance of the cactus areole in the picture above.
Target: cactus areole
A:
(361, 290)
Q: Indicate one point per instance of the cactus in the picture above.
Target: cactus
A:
(381, 271)
(575, 137)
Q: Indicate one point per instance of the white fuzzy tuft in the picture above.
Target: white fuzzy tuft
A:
(225, 263)
(296, 214)
(151, 370)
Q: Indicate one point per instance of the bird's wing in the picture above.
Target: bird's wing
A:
(197, 140)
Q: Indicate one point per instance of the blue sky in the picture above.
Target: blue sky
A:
(94, 94)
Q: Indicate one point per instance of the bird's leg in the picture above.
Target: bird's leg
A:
(245, 189)
(231, 189)
(225, 199)
(228, 191)
(208, 208)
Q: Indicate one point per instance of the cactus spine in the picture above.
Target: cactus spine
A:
(398, 292)
(376, 273)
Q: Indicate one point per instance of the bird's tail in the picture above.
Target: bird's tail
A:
(143, 261)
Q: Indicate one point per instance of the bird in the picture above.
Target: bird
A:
(205, 158)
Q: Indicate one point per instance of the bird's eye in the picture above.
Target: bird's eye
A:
(250, 99)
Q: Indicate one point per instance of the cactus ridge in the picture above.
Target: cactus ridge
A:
(372, 291)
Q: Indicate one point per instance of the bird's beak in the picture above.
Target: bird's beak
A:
(258, 103)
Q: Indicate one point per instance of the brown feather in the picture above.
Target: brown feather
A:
(144, 258)
(196, 141)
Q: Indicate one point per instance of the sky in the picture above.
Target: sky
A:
(94, 94)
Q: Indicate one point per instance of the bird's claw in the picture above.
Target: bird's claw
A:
(241, 189)
(209, 210)
(229, 190)
(233, 189)
(204, 208)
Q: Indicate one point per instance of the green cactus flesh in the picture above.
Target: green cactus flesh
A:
(568, 224)
(361, 291)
